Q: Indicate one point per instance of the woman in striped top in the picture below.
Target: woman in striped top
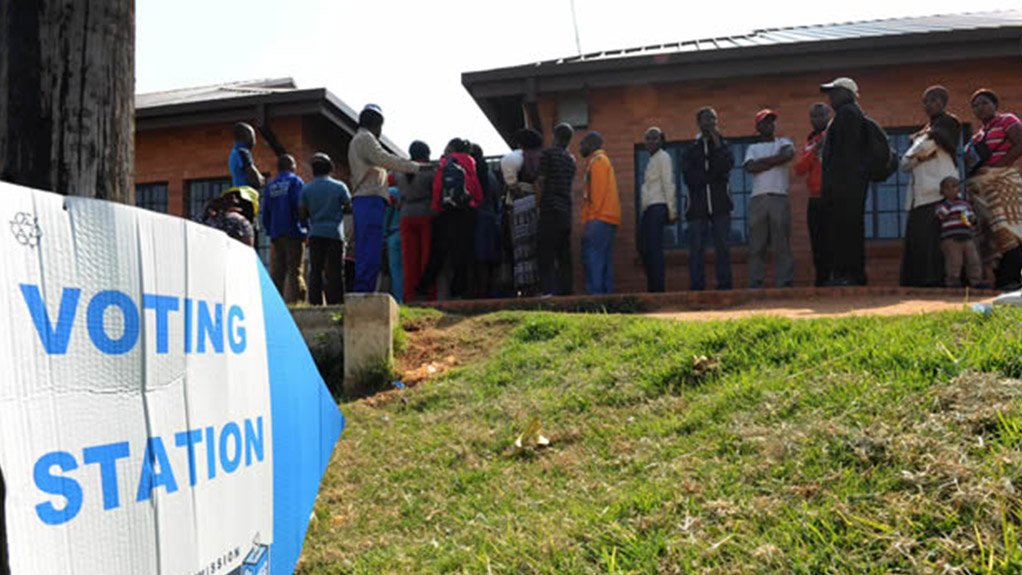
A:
(996, 186)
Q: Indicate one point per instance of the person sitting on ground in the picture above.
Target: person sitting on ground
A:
(957, 236)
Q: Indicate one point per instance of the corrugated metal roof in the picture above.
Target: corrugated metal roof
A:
(216, 92)
(816, 33)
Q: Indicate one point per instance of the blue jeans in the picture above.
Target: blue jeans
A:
(597, 248)
(651, 235)
(698, 230)
(397, 283)
(368, 211)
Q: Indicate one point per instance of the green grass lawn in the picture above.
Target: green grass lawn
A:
(853, 445)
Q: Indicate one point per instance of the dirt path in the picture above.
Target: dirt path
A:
(828, 307)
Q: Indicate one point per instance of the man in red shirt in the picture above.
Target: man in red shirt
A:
(810, 166)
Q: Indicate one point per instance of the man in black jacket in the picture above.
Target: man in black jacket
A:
(706, 167)
(845, 183)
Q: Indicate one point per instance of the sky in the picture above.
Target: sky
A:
(408, 56)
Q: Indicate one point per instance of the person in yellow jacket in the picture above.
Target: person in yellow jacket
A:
(601, 215)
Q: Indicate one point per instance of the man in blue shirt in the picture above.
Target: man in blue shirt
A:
(323, 202)
(286, 230)
(241, 163)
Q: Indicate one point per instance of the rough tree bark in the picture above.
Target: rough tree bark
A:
(67, 96)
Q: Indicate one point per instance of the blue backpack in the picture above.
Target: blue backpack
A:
(453, 193)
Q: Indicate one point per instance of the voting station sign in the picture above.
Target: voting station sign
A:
(159, 410)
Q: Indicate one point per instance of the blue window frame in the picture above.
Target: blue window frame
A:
(676, 235)
(152, 196)
(886, 216)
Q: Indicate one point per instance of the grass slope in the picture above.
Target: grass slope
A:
(856, 445)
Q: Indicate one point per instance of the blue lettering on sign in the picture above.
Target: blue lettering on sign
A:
(53, 471)
(209, 337)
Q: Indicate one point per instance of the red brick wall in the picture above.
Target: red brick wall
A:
(177, 155)
(890, 95)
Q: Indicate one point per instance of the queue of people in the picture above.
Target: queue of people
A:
(507, 231)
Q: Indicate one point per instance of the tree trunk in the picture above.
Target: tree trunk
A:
(67, 96)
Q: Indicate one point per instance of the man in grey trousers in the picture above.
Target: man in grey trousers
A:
(769, 211)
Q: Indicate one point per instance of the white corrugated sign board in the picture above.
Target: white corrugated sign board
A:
(159, 410)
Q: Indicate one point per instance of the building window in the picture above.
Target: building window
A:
(201, 191)
(152, 197)
(885, 201)
(676, 236)
(886, 215)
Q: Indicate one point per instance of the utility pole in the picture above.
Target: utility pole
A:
(67, 96)
(574, 22)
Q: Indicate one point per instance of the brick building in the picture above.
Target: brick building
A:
(620, 93)
(183, 138)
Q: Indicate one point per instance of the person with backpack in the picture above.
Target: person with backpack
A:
(852, 157)
(456, 195)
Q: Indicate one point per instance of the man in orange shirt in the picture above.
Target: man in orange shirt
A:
(810, 166)
(601, 215)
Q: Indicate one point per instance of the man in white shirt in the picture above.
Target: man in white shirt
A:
(769, 211)
(659, 208)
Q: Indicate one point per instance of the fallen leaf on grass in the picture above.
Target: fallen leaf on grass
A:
(703, 365)
(531, 437)
(428, 371)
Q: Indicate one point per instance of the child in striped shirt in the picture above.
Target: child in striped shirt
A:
(957, 224)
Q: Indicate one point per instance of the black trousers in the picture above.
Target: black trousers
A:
(845, 210)
(454, 240)
(817, 220)
(326, 271)
(555, 254)
(1009, 269)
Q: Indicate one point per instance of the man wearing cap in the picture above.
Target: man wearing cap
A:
(369, 163)
(769, 209)
(844, 183)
